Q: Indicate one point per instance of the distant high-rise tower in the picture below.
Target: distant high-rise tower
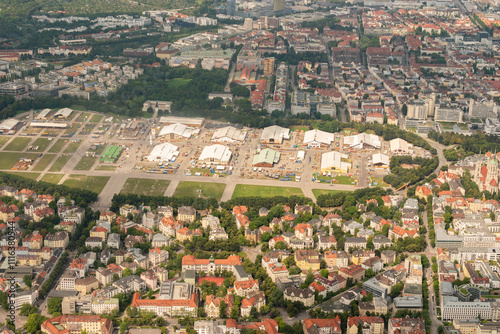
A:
(231, 7)
(279, 5)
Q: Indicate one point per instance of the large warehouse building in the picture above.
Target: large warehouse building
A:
(335, 162)
(318, 138)
(216, 154)
(363, 141)
(266, 158)
(164, 153)
(274, 135)
(178, 131)
(229, 134)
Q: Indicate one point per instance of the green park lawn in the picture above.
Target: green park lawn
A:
(59, 163)
(85, 163)
(192, 189)
(243, 190)
(318, 192)
(96, 118)
(52, 178)
(43, 162)
(57, 146)
(105, 168)
(147, 187)
(72, 147)
(3, 140)
(8, 159)
(92, 183)
(42, 144)
(18, 144)
(177, 82)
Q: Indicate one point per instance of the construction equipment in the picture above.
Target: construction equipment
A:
(406, 188)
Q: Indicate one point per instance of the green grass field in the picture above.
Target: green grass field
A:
(43, 162)
(106, 168)
(83, 116)
(178, 82)
(59, 163)
(92, 183)
(52, 178)
(318, 192)
(145, 187)
(8, 159)
(85, 163)
(3, 140)
(192, 189)
(96, 118)
(57, 146)
(42, 144)
(72, 147)
(299, 127)
(28, 175)
(243, 190)
(18, 144)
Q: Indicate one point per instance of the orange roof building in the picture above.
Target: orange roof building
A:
(210, 265)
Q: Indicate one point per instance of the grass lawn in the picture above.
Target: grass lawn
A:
(28, 175)
(96, 118)
(59, 163)
(145, 187)
(3, 140)
(8, 159)
(78, 107)
(104, 167)
(42, 144)
(83, 116)
(72, 147)
(243, 190)
(177, 82)
(208, 189)
(85, 163)
(18, 144)
(318, 192)
(380, 182)
(57, 146)
(92, 183)
(73, 128)
(52, 178)
(43, 162)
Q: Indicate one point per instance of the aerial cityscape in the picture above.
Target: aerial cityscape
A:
(249, 167)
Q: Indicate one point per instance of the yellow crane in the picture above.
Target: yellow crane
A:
(403, 186)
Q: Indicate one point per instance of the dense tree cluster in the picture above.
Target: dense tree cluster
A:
(81, 197)
(412, 174)
(476, 143)
(155, 201)
(339, 198)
